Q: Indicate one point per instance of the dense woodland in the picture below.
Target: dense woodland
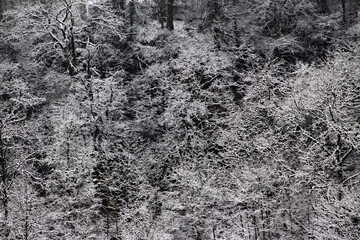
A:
(179, 120)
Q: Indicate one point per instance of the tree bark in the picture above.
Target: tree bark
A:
(235, 26)
(343, 6)
(162, 13)
(1, 8)
(170, 15)
(72, 44)
(5, 181)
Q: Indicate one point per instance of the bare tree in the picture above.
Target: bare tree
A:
(63, 33)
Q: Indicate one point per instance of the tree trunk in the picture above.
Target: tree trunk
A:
(72, 43)
(5, 182)
(235, 26)
(162, 13)
(217, 35)
(27, 215)
(256, 228)
(2, 6)
(132, 10)
(170, 15)
(343, 6)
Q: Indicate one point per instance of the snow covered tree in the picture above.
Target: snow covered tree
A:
(18, 149)
(64, 30)
(242, 124)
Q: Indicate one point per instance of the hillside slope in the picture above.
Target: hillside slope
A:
(157, 134)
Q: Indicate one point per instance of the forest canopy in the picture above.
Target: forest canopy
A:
(179, 119)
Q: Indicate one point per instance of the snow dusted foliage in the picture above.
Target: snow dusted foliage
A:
(18, 154)
(69, 185)
(237, 124)
(324, 101)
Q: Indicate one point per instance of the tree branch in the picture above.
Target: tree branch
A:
(351, 177)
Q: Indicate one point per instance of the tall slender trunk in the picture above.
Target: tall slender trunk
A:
(1, 8)
(343, 6)
(170, 15)
(235, 26)
(27, 214)
(5, 182)
(262, 222)
(162, 13)
(256, 228)
(214, 232)
(72, 46)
